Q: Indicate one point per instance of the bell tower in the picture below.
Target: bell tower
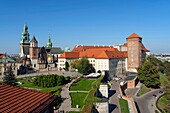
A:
(134, 43)
(49, 43)
(33, 50)
(24, 42)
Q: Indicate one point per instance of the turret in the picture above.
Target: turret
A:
(134, 51)
(33, 42)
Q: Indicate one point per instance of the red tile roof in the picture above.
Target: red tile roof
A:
(134, 35)
(18, 100)
(98, 53)
(2, 55)
(83, 48)
(70, 55)
(142, 47)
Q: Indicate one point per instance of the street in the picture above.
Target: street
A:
(147, 102)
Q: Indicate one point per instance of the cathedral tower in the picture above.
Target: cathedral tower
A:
(134, 43)
(49, 43)
(24, 42)
(33, 50)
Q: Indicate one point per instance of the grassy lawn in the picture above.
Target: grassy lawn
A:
(78, 99)
(164, 80)
(54, 90)
(123, 106)
(30, 85)
(82, 85)
(74, 112)
(162, 102)
(143, 90)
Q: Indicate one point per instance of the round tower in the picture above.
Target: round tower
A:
(134, 51)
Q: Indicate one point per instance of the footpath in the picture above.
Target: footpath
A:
(66, 104)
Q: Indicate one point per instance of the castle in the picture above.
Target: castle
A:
(37, 57)
(115, 60)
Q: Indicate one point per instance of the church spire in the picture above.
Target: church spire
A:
(49, 43)
(25, 35)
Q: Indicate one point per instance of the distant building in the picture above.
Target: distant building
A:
(19, 100)
(5, 63)
(114, 59)
(39, 57)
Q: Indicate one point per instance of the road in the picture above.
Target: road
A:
(147, 102)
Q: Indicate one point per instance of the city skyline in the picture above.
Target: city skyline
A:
(86, 22)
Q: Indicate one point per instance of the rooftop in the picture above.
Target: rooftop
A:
(133, 35)
(15, 99)
(95, 52)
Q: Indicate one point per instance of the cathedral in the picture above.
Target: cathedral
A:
(36, 57)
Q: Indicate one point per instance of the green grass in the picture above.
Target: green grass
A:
(123, 106)
(82, 85)
(74, 112)
(162, 102)
(143, 90)
(164, 80)
(78, 99)
(28, 84)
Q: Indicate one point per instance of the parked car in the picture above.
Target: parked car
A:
(116, 78)
(154, 96)
(160, 92)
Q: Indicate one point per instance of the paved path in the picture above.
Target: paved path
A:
(64, 73)
(66, 104)
(113, 98)
(147, 103)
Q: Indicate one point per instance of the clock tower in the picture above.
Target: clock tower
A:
(134, 43)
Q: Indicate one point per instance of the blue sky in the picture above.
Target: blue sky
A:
(87, 22)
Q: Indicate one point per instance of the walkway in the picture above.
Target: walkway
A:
(66, 104)
(64, 73)
(113, 98)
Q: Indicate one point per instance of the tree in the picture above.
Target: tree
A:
(75, 64)
(67, 66)
(9, 77)
(148, 74)
(83, 66)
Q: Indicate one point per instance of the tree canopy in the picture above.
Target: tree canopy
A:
(9, 77)
(83, 66)
(67, 66)
(148, 74)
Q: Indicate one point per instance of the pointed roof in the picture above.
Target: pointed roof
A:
(133, 35)
(49, 43)
(25, 28)
(34, 40)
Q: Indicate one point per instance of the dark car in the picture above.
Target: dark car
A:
(160, 92)
(154, 95)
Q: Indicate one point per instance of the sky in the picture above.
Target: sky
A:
(85, 22)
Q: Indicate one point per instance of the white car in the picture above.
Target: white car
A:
(116, 78)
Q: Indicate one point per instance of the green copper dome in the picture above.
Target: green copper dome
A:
(49, 43)
(25, 35)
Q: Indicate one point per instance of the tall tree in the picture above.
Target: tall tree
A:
(9, 77)
(67, 66)
(148, 74)
(83, 66)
